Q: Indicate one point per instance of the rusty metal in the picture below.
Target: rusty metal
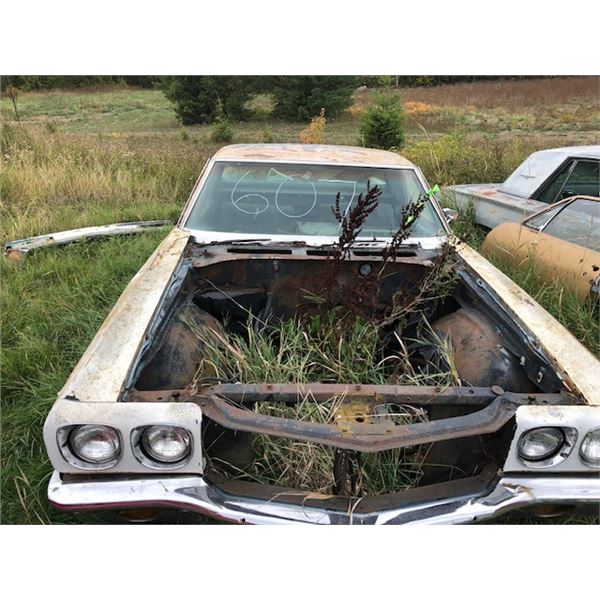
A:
(345, 473)
(479, 352)
(177, 356)
(369, 437)
(321, 154)
(358, 253)
(422, 395)
(573, 363)
(289, 393)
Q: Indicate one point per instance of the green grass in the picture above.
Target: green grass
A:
(52, 305)
(91, 158)
(87, 112)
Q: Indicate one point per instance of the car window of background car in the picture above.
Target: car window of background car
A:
(579, 223)
(538, 221)
(288, 199)
(583, 180)
(552, 190)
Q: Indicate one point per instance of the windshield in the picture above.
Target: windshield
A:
(274, 199)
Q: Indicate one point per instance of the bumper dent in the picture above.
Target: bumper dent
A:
(195, 493)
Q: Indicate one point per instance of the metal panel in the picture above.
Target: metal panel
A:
(19, 248)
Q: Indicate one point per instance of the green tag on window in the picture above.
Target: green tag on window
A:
(434, 190)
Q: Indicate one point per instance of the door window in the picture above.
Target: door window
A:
(579, 223)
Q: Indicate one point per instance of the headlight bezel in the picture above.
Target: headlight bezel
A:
(561, 453)
(582, 457)
(64, 441)
(145, 458)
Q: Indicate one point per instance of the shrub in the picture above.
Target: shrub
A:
(221, 130)
(196, 98)
(267, 135)
(313, 133)
(297, 98)
(382, 124)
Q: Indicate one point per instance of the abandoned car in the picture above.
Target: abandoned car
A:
(563, 240)
(310, 345)
(542, 178)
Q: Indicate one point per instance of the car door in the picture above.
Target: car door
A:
(565, 242)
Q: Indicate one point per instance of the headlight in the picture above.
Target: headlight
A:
(96, 444)
(540, 444)
(590, 448)
(166, 443)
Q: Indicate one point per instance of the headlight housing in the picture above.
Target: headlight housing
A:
(590, 448)
(90, 446)
(163, 445)
(540, 444)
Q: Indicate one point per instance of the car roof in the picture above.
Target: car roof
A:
(312, 153)
(528, 177)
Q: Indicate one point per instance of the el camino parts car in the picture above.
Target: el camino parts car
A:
(428, 387)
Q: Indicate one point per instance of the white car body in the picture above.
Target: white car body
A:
(519, 196)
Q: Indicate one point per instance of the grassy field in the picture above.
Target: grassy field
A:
(101, 156)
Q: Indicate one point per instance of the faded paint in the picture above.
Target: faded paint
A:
(577, 266)
(492, 206)
(102, 370)
(314, 153)
(575, 363)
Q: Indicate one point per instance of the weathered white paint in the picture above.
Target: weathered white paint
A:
(102, 370)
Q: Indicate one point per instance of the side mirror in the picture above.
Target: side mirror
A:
(451, 215)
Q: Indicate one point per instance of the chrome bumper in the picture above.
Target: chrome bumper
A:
(194, 493)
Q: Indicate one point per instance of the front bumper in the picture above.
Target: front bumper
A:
(194, 493)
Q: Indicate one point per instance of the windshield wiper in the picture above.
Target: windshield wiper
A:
(376, 240)
(239, 241)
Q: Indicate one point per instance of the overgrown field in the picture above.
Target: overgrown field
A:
(88, 158)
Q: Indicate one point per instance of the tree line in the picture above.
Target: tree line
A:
(209, 98)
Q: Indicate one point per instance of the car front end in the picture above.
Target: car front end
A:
(472, 401)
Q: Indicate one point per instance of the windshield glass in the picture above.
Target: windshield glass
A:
(274, 198)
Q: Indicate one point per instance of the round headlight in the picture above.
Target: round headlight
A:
(96, 444)
(166, 443)
(590, 448)
(541, 443)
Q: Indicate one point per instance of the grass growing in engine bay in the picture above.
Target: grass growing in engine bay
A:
(329, 349)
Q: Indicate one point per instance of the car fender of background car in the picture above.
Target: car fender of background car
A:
(543, 178)
(561, 407)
